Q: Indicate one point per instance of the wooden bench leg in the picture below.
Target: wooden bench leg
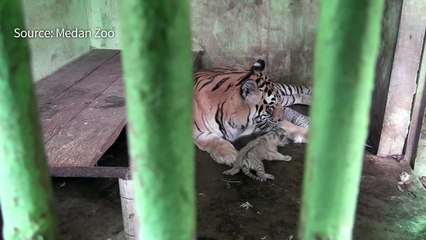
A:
(128, 207)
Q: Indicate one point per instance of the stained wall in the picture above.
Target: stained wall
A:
(239, 32)
(280, 31)
(102, 15)
(390, 25)
(48, 54)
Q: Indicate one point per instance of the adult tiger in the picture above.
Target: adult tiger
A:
(232, 102)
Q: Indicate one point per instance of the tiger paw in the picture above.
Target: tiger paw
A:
(227, 159)
(224, 155)
(300, 137)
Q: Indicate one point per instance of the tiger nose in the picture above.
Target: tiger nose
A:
(278, 114)
(276, 119)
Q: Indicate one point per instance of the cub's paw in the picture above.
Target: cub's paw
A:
(286, 158)
(231, 171)
(267, 176)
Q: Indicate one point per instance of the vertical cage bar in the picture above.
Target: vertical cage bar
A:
(346, 51)
(157, 63)
(26, 191)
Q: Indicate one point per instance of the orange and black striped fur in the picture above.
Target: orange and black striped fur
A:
(232, 102)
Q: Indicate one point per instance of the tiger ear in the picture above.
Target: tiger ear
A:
(249, 91)
(259, 65)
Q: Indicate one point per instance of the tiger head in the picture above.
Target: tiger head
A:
(235, 101)
(230, 102)
(266, 99)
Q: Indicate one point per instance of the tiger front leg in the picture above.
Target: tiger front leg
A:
(296, 133)
(220, 150)
(224, 153)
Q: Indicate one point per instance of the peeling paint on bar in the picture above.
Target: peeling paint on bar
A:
(26, 191)
(346, 53)
(156, 41)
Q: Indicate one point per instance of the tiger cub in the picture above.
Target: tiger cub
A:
(264, 147)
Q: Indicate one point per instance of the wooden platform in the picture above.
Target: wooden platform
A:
(82, 108)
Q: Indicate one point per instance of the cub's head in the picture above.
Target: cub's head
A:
(281, 135)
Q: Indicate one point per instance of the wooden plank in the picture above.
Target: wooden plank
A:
(418, 111)
(97, 172)
(51, 86)
(416, 144)
(390, 24)
(403, 78)
(85, 138)
(58, 112)
(78, 129)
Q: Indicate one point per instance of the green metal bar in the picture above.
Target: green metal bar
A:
(346, 51)
(158, 83)
(26, 192)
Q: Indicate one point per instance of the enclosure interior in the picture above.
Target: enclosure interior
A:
(282, 33)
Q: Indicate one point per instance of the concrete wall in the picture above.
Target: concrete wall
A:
(240, 32)
(390, 24)
(280, 31)
(50, 54)
(102, 14)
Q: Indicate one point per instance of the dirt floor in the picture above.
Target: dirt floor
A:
(90, 208)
